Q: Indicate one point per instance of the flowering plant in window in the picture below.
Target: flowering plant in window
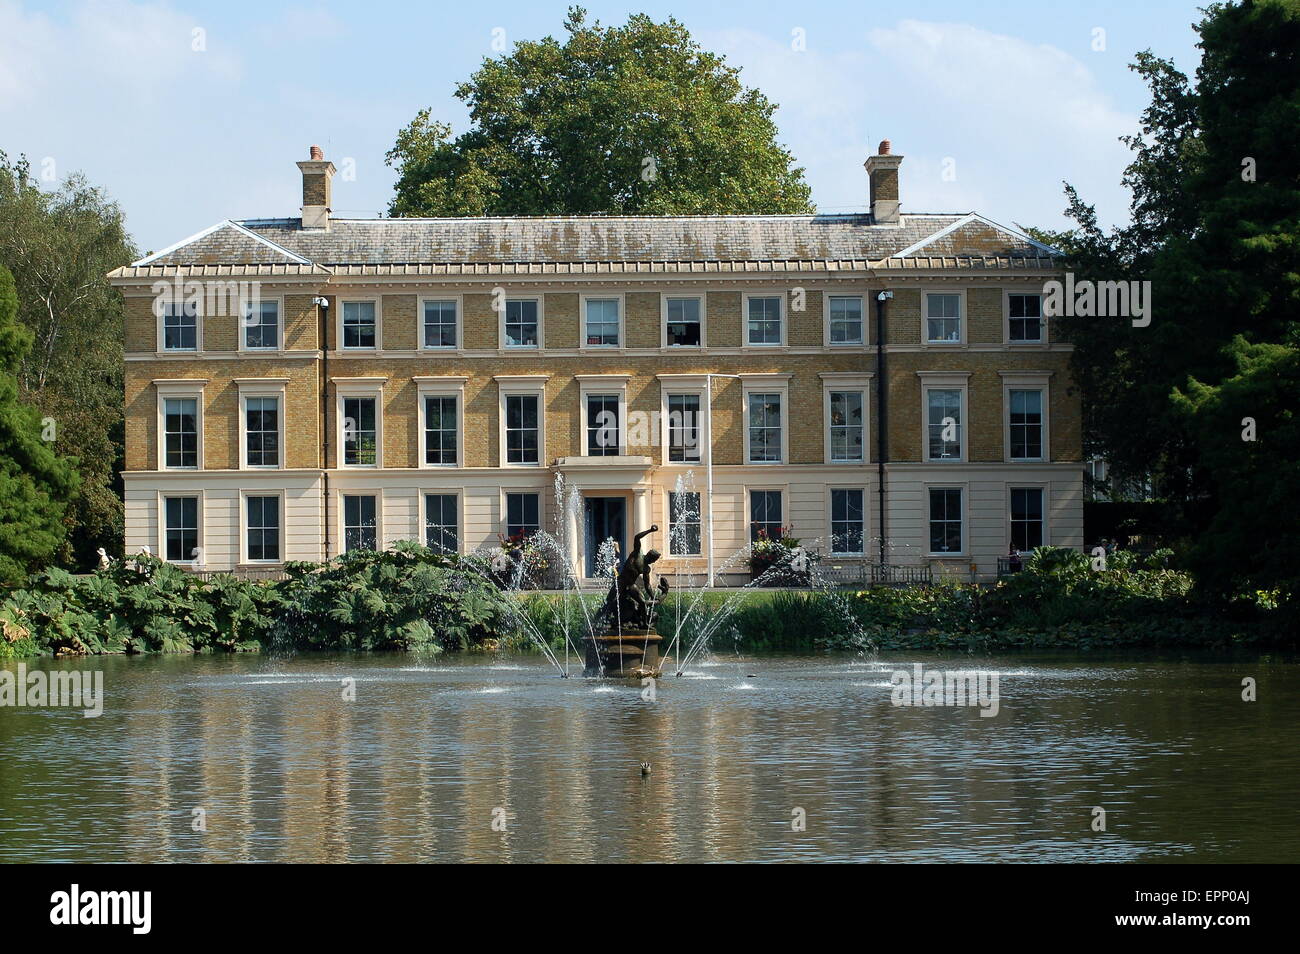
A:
(777, 556)
(517, 561)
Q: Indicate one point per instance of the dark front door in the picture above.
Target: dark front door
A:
(603, 518)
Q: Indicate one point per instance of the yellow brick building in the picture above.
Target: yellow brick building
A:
(295, 387)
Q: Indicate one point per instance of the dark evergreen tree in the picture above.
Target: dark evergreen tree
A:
(1216, 229)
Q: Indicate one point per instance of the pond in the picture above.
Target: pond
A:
(767, 758)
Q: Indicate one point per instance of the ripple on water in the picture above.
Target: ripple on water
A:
(242, 681)
(1158, 741)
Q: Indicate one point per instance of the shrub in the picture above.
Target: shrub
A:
(405, 598)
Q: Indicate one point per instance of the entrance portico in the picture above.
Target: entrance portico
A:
(616, 498)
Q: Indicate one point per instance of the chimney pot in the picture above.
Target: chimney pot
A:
(317, 153)
(882, 169)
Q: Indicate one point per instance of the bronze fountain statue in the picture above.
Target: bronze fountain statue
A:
(623, 639)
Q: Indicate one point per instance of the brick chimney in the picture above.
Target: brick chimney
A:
(317, 173)
(882, 169)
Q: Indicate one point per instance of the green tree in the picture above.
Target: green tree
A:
(35, 483)
(1216, 229)
(1248, 433)
(59, 244)
(631, 119)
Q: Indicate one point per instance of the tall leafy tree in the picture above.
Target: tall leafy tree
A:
(1216, 229)
(35, 483)
(630, 119)
(59, 244)
(1251, 539)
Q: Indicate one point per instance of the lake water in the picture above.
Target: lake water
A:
(434, 757)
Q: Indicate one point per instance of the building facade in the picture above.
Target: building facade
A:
(879, 385)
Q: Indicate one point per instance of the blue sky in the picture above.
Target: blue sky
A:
(993, 105)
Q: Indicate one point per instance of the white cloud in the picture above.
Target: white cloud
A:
(180, 136)
(27, 43)
(1016, 118)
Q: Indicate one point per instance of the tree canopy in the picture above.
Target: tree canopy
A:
(59, 244)
(1215, 181)
(35, 484)
(630, 119)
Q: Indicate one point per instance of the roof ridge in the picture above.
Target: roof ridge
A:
(600, 217)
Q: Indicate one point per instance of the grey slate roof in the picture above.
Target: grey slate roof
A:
(229, 245)
(602, 239)
(593, 240)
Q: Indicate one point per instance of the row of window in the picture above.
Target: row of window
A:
(602, 322)
(605, 430)
(523, 519)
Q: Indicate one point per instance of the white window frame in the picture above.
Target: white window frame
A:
(846, 381)
(963, 318)
(826, 319)
(682, 384)
(1043, 487)
(378, 301)
(784, 319)
(178, 388)
(261, 388)
(1042, 341)
(965, 518)
(702, 298)
(456, 492)
(541, 324)
(359, 388)
(459, 302)
(341, 538)
(505, 507)
(438, 386)
(945, 381)
(593, 384)
(830, 519)
(766, 384)
(747, 504)
(244, 325)
(582, 321)
(1026, 381)
(162, 498)
(668, 522)
(161, 315)
(522, 384)
(244, 557)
